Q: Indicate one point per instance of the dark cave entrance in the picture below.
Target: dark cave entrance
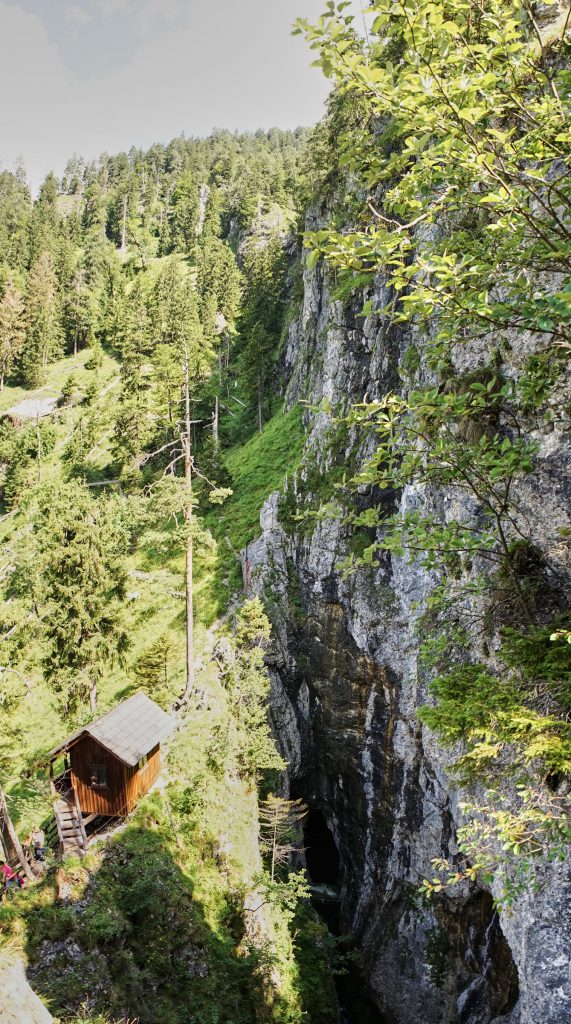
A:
(324, 869)
(321, 853)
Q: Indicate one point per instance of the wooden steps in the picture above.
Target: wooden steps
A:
(70, 826)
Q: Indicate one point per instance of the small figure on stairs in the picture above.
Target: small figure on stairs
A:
(37, 843)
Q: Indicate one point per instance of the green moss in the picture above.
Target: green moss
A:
(318, 482)
(295, 604)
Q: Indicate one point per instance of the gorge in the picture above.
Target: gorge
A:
(297, 467)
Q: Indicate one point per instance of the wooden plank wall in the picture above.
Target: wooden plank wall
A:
(142, 779)
(125, 785)
(109, 800)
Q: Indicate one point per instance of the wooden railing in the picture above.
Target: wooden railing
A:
(62, 788)
(80, 819)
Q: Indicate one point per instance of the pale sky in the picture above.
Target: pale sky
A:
(84, 76)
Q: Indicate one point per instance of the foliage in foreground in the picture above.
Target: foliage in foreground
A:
(461, 198)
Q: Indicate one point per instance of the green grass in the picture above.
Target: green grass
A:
(155, 606)
(56, 376)
(156, 916)
(258, 468)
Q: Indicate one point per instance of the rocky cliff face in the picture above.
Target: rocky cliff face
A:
(346, 686)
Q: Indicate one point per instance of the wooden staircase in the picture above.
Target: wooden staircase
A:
(69, 820)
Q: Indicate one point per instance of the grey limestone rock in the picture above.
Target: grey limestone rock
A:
(346, 686)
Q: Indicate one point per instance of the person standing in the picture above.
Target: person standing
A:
(36, 843)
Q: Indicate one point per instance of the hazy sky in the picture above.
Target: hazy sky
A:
(83, 76)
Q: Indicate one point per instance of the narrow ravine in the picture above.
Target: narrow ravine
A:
(324, 868)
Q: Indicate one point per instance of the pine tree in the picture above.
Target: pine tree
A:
(280, 822)
(195, 359)
(12, 329)
(154, 669)
(218, 285)
(44, 337)
(247, 681)
(79, 580)
(184, 355)
(261, 320)
(45, 220)
(78, 311)
(15, 214)
(184, 214)
(112, 318)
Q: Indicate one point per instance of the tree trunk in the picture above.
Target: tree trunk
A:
(189, 687)
(274, 846)
(260, 397)
(124, 229)
(39, 448)
(77, 305)
(93, 695)
(215, 422)
(12, 846)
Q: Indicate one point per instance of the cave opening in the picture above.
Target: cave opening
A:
(321, 853)
(356, 1005)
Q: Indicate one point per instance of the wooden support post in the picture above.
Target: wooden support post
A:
(10, 842)
(80, 819)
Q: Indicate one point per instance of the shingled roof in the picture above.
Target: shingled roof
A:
(129, 731)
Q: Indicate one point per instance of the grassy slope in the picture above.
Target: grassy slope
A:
(155, 914)
(257, 468)
(35, 725)
(158, 891)
(155, 606)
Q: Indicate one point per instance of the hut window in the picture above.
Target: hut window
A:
(143, 761)
(98, 775)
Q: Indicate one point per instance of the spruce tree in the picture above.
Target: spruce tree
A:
(78, 579)
(44, 336)
(12, 329)
(184, 214)
(280, 822)
(155, 668)
(15, 214)
(261, 320)
(248, 685)
(78, 310)
(45, 220)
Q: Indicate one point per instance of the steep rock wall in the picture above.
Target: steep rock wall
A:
(346, 686)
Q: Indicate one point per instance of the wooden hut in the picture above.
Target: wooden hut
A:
(108, 766)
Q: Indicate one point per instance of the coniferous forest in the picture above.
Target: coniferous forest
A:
(284, 446)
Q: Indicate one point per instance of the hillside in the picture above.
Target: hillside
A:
(284, 443)
(74, 432)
